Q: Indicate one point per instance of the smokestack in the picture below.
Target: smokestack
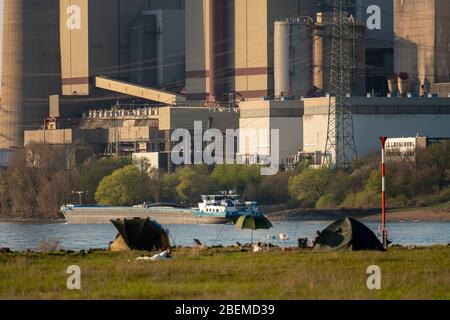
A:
(31, 66)
(216, 49)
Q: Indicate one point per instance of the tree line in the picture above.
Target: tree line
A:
(41, 178)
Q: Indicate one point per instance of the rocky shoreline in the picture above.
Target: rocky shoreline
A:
(35, 220)
(319, 214)
(413, 215)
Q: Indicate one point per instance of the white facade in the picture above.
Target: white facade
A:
(259, 118)
(376, 117)
(401, 148)
(151, 159)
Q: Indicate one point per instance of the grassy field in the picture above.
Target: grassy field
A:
(229, 274)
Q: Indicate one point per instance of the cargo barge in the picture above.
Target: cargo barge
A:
(221, 208)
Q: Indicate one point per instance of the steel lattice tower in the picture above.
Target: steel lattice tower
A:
(340, 137)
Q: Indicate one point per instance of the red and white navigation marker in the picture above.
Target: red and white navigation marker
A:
(383, 190)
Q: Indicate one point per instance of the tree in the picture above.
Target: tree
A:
(310, 185)
(39, 180)
(94, 170)
(237, 176)
(273, 189)
(169, 183)
(4, 194)
(193, 182)
(373, 183)
(124, 187)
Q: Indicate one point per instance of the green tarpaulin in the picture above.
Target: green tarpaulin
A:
(253, 222)
(347, 235)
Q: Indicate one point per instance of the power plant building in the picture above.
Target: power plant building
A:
(422, 42)
(322, 53)
(120, 44)
(30, 67)
(378, 16)
(376, 117)
(293, 51)
(53, 48)
(234, 53)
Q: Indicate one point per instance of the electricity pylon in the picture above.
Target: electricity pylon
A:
(341, 147)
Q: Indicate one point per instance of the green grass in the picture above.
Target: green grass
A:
(229, 274)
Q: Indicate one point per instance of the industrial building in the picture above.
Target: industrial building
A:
(122, 75)
(235, 53)
(322, 42)
(378, 15)
(422, 38)
(53, 48)
(137, 129)
(293, 50)
(130, 38)
(407, 148)
(30, 67)
(376, 117)
(259, 118)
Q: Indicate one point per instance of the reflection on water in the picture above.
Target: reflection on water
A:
(78, 237)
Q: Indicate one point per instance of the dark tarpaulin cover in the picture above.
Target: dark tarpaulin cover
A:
(142, 234)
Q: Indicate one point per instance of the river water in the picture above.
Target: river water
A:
(21, 236)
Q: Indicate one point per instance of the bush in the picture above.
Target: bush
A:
(310, 185)
(193, 181)
(272, 189)
(125, 187)
(327, 201)
(238, 177)
(362, 199)
(94, 170)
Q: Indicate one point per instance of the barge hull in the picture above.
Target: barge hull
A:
(162, 216)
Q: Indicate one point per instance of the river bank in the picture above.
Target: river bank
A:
(228, 273)
(426, 214)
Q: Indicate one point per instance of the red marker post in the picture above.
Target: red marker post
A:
(383, 190)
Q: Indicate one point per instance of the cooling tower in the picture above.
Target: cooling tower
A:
(31, 70)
